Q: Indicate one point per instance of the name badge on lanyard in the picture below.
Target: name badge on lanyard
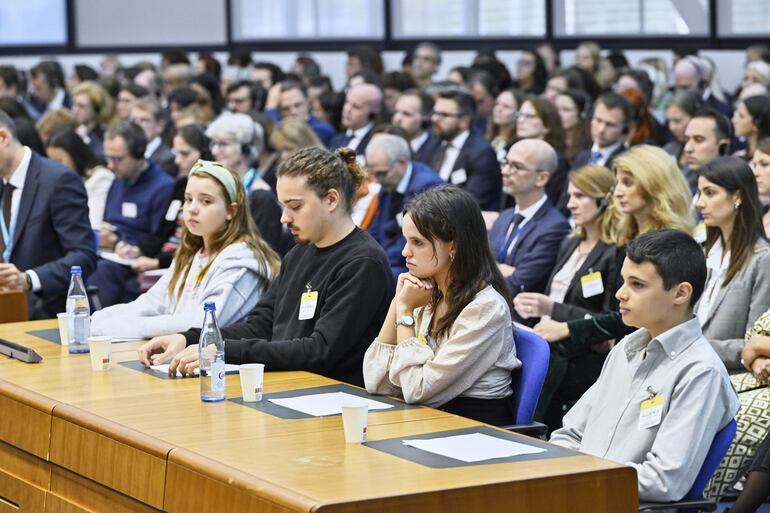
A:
(7, 233)
(307, 304)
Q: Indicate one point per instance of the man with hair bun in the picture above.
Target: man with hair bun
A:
(333, 291)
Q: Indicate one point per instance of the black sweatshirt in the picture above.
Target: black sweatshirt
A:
(355, 286)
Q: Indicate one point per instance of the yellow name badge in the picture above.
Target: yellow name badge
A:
(651, 412)
(421, 338)
(307, 305)
(700, 233)
(592, 284)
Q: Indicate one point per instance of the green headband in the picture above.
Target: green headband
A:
(220, 173)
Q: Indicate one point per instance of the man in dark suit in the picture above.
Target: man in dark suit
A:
(361, 110)
(147, 113)
(609, 128)
(388, 158)
(412, 114)
(294, 102)
(465, 158)
(525, 239)
(45, 226)
(693, 73)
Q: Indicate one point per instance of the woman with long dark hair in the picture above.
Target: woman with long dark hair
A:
(737, 254)
(447, 340)
(751, 120)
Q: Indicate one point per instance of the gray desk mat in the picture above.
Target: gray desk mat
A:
(139, 366)
(396, 447)
(52, 335)
(270, 408)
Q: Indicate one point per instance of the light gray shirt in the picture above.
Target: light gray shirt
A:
(698, 400)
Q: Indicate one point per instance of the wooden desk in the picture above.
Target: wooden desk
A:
(72, 440)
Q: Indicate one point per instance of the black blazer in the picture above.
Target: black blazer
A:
(53, 233)
(602, 258)
(482, 172)
(429, 149)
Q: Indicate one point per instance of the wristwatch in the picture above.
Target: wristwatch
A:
(406, 320)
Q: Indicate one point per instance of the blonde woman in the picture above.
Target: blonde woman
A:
(221, 258)
(92, 109)
(650, 193)
(288, 136)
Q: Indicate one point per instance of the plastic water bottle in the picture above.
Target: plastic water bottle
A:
(78, 313)
(211, 355)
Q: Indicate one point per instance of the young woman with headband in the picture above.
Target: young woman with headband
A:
(221, 258)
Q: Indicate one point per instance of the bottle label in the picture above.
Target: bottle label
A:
(218, 376)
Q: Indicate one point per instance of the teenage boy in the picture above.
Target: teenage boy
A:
(329, 300)
(663, 392)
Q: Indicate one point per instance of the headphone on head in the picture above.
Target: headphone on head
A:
(245, 150)
(700, 68)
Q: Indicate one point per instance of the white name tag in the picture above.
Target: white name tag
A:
(592, 284)
(651, 412)
(129, 210)
(173, 210)
(307, 305)
(458, 176)
(400, 218)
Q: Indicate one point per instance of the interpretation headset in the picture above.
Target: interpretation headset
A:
(724, 147)
(604, 202)
(701, 68)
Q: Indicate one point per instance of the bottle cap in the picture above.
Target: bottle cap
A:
(209, 306)
(75, 269)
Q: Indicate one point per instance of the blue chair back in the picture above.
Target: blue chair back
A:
(534, 353)
(717, 451)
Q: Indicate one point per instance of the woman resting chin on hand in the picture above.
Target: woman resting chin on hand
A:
(447, 340)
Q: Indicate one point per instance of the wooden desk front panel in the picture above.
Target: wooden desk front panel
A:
(24, 426)
(70, 492)
(117, 465)
(24, 480)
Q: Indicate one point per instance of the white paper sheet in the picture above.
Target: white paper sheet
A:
(163, 369)
(319, 405)
(113, 257)
(473, 447)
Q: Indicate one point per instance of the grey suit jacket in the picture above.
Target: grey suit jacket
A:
(738, 305)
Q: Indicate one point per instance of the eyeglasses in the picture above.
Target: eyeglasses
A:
(440, 114)
(115, 159)
(525, 115)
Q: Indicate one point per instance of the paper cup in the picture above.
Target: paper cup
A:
(62, 318)
(252, 375)
(100, 349)
(354, 420)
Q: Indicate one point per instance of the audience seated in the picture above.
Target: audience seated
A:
(447, 340)
(37, 256)
(92, 109)
(148, 114)
(573, 106)
(663, 393)
(464, 158)
(737, 256)
(680, 110)
(412, 114)
(363, 105)
(691, 73)
(610, 124)
(66, 146)
(651, 194)
(760, 164)
(501, 131)
(388, 159)
(583, 283)
(221, 258)
(751, 120)
(136, 205)
(294, 102)
(706, 137)
(525, 239)
(331, 295)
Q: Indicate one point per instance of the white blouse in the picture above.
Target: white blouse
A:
(474, 359)
(717, 272)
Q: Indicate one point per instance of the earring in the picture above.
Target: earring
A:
(451, 257)
(736, 205)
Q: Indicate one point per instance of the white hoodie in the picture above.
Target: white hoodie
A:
(235, 282)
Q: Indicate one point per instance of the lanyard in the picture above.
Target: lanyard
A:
(506, 244)
(7, 235)
(251, 176)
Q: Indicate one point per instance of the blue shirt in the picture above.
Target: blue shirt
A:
(136, 209)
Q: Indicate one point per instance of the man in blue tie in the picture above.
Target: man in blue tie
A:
(388, 158)
(525, 239)
(609, 127)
